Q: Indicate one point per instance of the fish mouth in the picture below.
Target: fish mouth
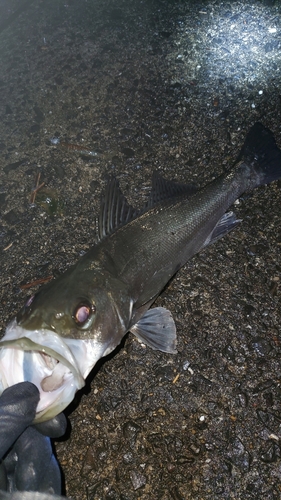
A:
(57, 366)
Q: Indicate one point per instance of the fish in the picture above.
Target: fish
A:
(70, 323)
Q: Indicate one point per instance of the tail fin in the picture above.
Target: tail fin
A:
(261, 152)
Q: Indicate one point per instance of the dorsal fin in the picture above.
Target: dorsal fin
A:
(115, 210)
(163, 189)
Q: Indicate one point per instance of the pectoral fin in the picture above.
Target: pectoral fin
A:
(157, 329)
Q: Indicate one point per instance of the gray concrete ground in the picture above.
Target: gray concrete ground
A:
(155, 85)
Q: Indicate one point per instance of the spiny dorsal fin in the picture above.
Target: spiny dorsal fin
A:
(115, 211)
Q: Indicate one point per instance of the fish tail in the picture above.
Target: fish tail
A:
(261, 153)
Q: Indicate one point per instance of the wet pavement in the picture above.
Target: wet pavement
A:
(174, 87)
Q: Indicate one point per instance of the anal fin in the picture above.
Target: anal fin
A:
(227, 223)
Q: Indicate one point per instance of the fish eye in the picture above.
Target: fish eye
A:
(83, 313)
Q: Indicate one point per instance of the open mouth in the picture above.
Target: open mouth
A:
(47, 362)
(48, 383)
(57, 365)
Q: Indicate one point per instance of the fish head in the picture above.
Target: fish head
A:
(56, 339)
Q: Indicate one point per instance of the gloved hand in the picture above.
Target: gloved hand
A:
(28, 461)
(29, 495)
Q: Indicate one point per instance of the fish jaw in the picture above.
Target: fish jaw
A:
(57, 366)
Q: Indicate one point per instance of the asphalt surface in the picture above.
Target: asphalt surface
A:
(154, 85)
